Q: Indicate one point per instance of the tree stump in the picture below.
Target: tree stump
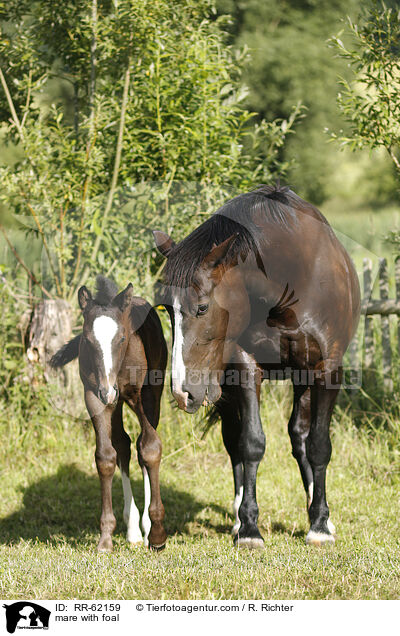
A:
(49, 329)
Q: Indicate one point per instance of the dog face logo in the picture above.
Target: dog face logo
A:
(26, 615)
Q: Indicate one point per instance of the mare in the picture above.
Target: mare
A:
(262, 289)
(122, 358)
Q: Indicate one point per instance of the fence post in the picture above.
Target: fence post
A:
(368, 327)
(397, 279)
(386, 347)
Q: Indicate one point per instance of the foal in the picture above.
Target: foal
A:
(122, 358)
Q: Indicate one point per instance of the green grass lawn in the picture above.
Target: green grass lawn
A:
(50, 505)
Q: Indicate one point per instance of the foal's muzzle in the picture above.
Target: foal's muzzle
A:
(108, 396)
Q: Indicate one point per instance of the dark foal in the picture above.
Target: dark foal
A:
(122, 358)
(263, 286)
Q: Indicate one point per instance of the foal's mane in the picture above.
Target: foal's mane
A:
(106, 290)
(277, 204)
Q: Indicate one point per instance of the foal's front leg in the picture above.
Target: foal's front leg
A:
(106, 459)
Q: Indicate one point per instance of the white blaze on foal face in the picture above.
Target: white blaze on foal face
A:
(104, 329)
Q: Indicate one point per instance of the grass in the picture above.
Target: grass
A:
(50, 511)
(50, 500)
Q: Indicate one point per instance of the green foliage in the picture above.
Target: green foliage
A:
(290, 62)
(13, 305)
(371, 100)
(147, 92)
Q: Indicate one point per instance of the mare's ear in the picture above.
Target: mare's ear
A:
(164, 243)
(123, 299)
(84, 298)
(218, 252)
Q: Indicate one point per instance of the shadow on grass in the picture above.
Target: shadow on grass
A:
(67, 505)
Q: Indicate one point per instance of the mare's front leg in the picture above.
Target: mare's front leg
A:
(106, 459)
(228, 410)
(251, 449)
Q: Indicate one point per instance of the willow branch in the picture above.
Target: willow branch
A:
(394, 159)
(28, 100)
(91, 136)
(11, 105)
(45, 245)
(117, 162)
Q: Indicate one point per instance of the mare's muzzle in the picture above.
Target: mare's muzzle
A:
(194, 392)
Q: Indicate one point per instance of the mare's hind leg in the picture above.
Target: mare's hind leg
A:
(122, 444)
(106, 457)
(230, 424)
(318, 449)
(299, 427)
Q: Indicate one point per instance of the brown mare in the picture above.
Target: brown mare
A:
(263, 286)
(122, 358)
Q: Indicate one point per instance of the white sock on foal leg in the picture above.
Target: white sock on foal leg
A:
(131, 513)
(146, 522)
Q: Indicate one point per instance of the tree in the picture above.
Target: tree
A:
(148, 93)
(291, 62)
(370, 102)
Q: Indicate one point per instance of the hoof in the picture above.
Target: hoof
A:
(105, 545)
(331, 527)
(319, 538)
(235, 529)
(250, 543)
(157, 548)
(135, 538)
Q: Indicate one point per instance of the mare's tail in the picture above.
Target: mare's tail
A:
(67, 353)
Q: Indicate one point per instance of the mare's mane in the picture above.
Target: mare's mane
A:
(277, 204)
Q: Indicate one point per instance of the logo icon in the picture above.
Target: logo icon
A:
(26, 615)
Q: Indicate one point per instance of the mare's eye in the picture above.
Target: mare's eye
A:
(202, 309)
(122, 340)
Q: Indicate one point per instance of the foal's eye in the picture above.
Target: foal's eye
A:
(122, 340)
(202, 309)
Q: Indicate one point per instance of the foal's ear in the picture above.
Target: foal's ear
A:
(164, 243)
(84, 298)
(123, 299)
(218, 252)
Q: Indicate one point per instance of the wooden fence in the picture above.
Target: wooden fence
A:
(383, 307)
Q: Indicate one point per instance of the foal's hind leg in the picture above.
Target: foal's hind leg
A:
(149, 454)
(228, 410)
(122, 444)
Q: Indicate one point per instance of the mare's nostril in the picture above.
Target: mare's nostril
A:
(190, 399)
